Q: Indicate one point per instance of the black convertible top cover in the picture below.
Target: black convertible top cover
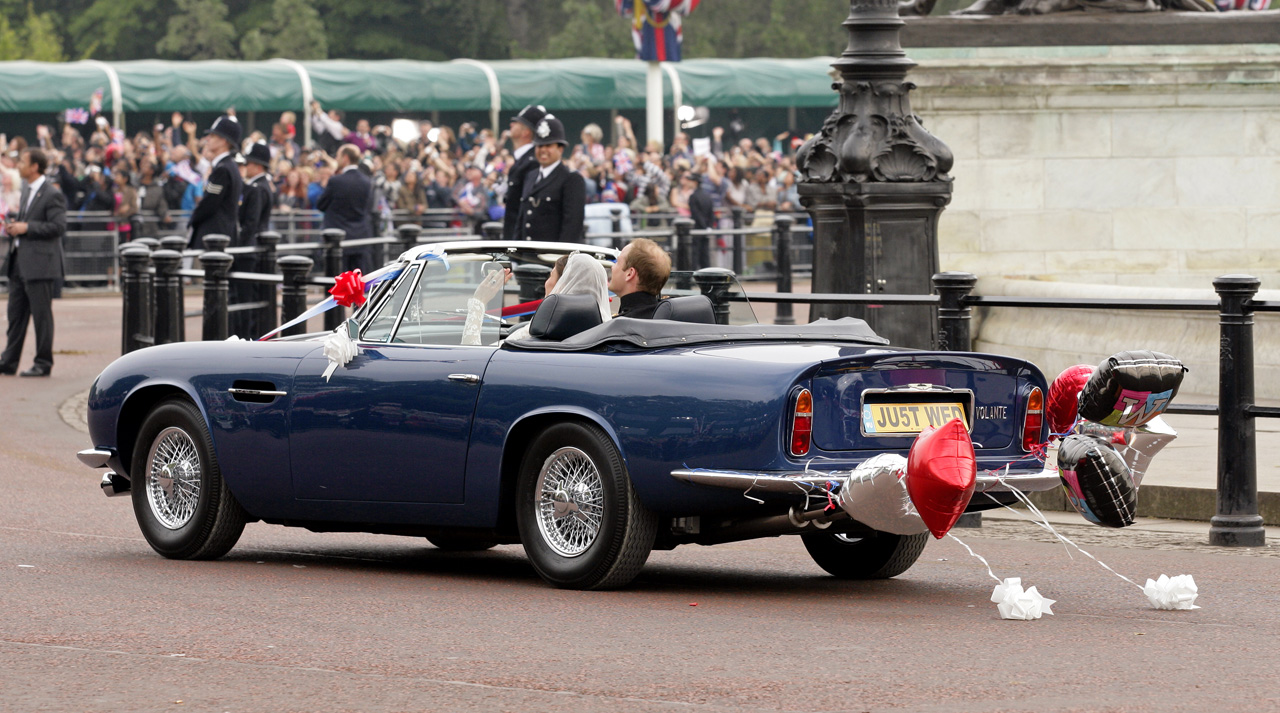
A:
(659, 333)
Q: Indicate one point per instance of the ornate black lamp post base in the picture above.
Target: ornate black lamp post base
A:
(875, 182)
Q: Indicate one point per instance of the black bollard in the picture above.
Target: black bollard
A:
(1237, 523)
(333, 238)
(294, 293)
(216, 243)
(137, 299)
(739, 243)
(782, 249)
(715, 283)
(683, 247)
(954, 315)
(491, 230)
(615, 216)
(409, 236)
(269, 241)
(216, 266)
(151, 243)
(168, 296)
(177, 243)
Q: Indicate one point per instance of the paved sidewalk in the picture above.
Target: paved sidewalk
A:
(1180, 484)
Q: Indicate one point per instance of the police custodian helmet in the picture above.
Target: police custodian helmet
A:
(549, 131)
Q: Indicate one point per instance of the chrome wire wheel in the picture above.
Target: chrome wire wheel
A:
(570, 501)
(173, 478)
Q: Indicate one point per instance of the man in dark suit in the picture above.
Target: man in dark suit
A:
(701, 209)
(345, 204)
(555, 198)
(218, 212)
(637, 278)
(521, 130)
(34, 264)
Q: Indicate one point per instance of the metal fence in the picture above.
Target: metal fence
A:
(743, 241)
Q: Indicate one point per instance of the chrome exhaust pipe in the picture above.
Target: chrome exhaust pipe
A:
(114, 484)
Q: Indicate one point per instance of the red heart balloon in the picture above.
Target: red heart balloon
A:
(1064, 396)
(942, 471)
(348, 289)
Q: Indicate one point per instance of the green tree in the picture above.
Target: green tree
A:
(253, 46)
(43, 43)
(112, 30)
(199, 30)
(10, 45)
(295, 31)
(592, 28)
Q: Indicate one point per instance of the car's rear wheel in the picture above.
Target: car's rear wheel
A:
(183, 506)
(580, 521)
(879, 555)
(459, 544)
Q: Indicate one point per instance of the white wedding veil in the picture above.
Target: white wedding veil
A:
(584, 275)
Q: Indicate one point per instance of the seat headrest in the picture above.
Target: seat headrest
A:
(694, 308)
(562, 316)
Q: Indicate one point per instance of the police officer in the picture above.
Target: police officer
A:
(554, 198)
(521, 131)
(218, 212)
(255, 216)
(257, 198)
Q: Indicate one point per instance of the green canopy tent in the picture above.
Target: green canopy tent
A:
(407, 86)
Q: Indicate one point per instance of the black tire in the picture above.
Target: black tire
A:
(877, 556)
(459, 544)
(615, 553)
(209, 528)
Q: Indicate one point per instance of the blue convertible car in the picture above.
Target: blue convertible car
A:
(588, 443)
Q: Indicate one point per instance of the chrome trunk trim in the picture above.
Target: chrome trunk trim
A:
(799, 482)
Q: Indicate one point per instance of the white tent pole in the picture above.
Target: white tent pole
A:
(117, 98)
(495, 93)
(677, 93)
(653, 104)
(305, 80)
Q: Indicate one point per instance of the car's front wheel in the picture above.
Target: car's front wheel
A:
(183, 506)
(879, 555)
(580, 521)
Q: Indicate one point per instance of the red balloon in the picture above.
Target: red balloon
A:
(942, 471)
(348, 289)
(1064, 396)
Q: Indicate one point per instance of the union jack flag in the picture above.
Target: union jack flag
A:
(656, 26)
(76, 116)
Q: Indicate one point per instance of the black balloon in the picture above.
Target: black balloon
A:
(1097, 480)
(1131, 388)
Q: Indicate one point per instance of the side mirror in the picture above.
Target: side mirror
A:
(353, 329)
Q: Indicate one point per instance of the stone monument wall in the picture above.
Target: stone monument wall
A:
(1139, 166)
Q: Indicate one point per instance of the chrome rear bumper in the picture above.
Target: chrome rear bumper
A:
(811, 481)
(95, 457)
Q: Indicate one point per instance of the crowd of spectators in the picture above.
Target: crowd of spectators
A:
(160, 172)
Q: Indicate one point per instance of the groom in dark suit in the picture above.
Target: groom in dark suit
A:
(34, 264)
(555, 198)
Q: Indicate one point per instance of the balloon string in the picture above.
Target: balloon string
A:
(978, 556)
(1049, 528)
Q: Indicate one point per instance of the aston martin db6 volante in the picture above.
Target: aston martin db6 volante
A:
(589, 442)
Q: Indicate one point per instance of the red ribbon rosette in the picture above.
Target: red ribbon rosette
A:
(348, 289)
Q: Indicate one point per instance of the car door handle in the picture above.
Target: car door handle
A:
(466, 378)
(256, 392)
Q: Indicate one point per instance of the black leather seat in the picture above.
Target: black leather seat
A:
(694, 308)
(562, 316)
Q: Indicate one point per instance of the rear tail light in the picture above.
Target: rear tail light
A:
(1034, 421)
(802, 423)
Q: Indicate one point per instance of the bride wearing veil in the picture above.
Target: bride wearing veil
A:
(583, 275)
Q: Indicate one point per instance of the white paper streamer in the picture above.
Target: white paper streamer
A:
(1178, 592)
(340, 349)
(1014, 602)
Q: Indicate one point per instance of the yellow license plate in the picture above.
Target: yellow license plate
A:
(908, 418)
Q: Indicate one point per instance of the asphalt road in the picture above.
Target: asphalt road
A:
(92, 620)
